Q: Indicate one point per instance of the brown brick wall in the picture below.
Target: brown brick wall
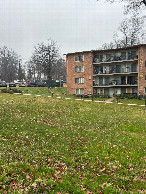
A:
(141, 69)
(87, 74)
(88, 71)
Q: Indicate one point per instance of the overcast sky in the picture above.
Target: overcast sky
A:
(76, 25)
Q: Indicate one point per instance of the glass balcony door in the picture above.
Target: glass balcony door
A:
(134, 67)
(101, 81)
(106, 81)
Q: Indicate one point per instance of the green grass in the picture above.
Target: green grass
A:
(50, 145)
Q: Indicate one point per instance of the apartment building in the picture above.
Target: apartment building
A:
(112, 71)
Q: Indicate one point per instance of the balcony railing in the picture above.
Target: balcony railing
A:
(115, 83)
(114, 59)
(114, 72)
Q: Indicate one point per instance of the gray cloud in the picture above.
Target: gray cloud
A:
(76, 25)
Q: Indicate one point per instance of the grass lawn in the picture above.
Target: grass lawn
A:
(50, 145)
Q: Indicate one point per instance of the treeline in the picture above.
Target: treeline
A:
(10, 67)
(131, 30)
(45, 63)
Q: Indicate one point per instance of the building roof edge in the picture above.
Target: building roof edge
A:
(102, 50)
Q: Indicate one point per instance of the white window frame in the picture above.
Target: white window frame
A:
(79, 69)
(79, 91)
(82, 80)
(78, 58)
(76, 80)
(79, 80)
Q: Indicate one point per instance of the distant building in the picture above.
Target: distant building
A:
(112, 71)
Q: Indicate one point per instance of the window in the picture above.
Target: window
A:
(123, 55)
(79, 69)
(132, 55)
(134, 67)
(98, 69)
(79, 58)
(98, 58)
(118, 57)
(108, 57)
(79, 91)
(79, 80)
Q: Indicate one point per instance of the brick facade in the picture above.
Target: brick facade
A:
(90, 76)
(141, 69)
(87, 74)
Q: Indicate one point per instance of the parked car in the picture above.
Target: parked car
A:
(12, 84)
(21, 84)
(3, 84)
(40, 84)
(32, 84)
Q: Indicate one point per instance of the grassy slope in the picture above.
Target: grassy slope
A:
(70, 146)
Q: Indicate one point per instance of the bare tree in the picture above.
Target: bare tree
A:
(130, 32)
(131, 5)
(108, 46)
(29, 73)
(31, 70)
(59, 70)
(8, 64)
(45, 57)
(21, 72)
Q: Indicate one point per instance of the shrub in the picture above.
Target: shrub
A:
(11, 90)
(128, 96)
(101, 96)
(4, 90)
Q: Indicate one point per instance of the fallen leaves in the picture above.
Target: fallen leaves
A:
(70, 146)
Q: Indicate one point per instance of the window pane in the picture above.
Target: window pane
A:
(81, 58)
(108, 57)
(77, 91)
(82, 80)
(76, 80)
(76, 58)
(98, 58)
(77, 69)
(123, 55)
(118, 57)
(81, 91)
(82, 68)
(132, 55)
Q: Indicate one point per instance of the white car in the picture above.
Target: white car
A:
(21, 84)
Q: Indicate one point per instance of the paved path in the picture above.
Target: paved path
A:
(132, 104)
(108, 101)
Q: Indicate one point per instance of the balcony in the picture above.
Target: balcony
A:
(116, 83)
(115, 69)
(100, 59)
(101, 73)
